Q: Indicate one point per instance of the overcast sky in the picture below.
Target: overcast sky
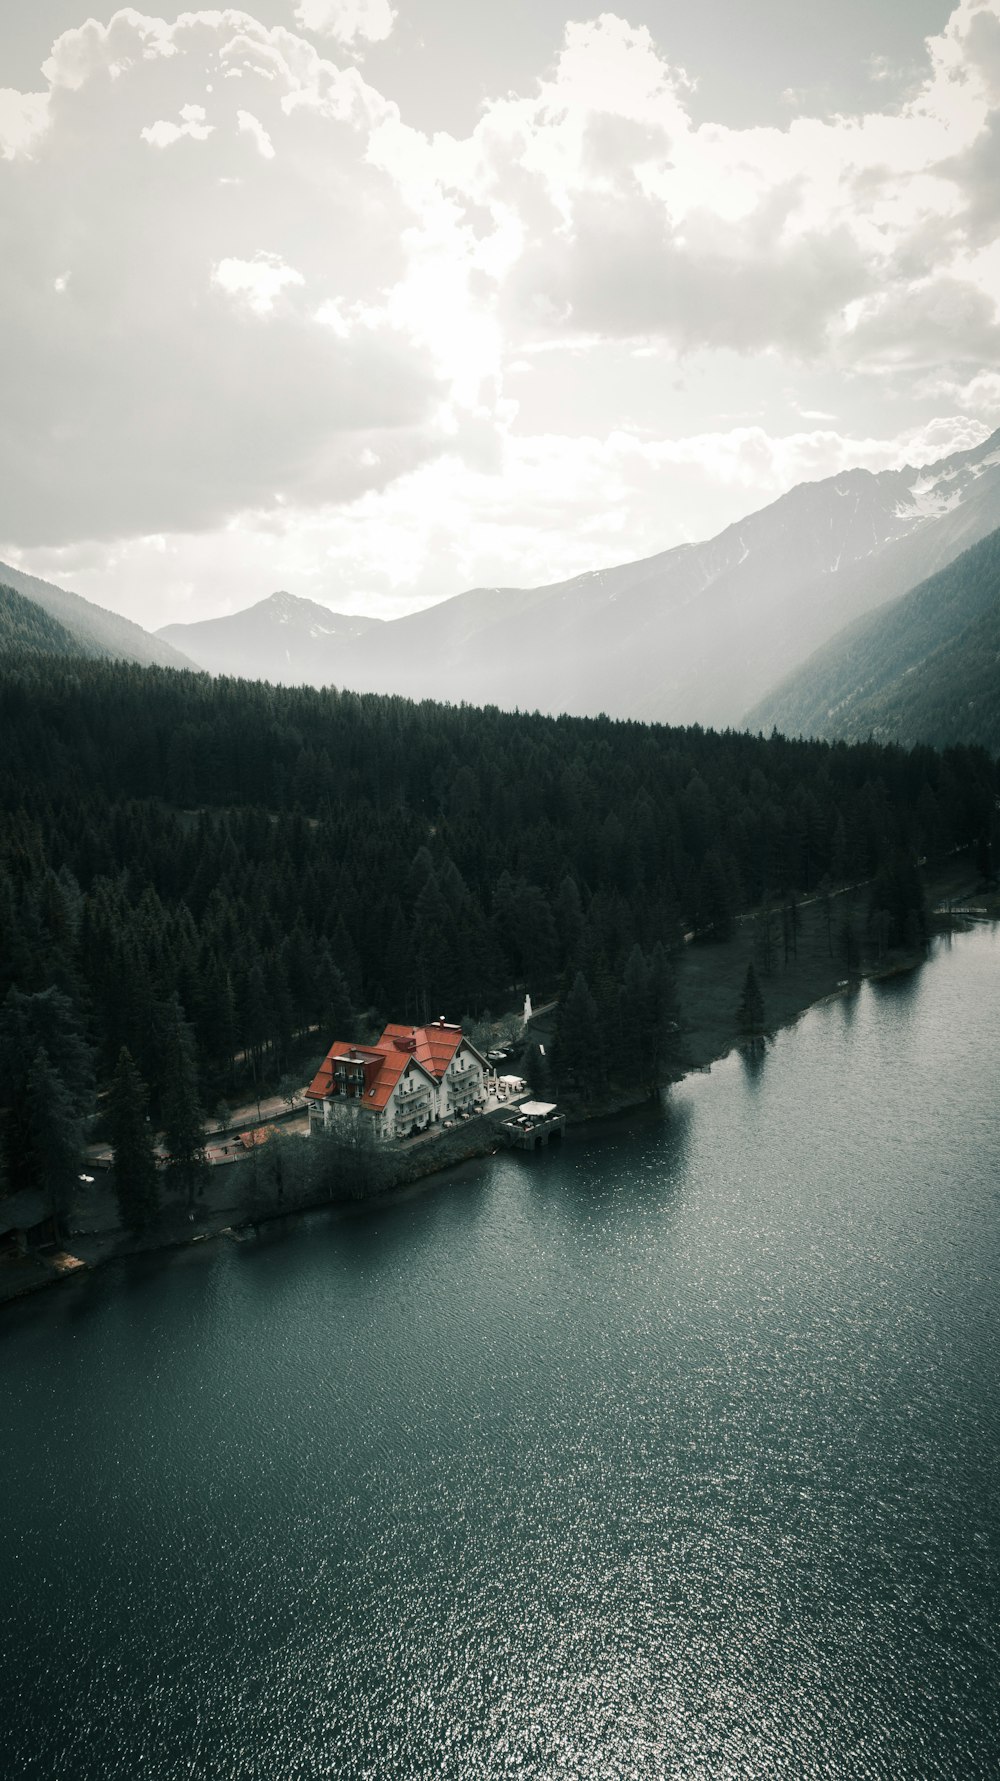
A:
(376, 304)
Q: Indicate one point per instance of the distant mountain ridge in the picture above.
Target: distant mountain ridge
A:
(696, 634)
(285, 632)
(924, 669)
(96, 631)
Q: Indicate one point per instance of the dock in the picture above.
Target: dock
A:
(533, 1125)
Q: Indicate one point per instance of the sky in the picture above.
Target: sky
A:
(375, 303)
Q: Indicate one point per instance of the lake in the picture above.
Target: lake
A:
(671, 1453)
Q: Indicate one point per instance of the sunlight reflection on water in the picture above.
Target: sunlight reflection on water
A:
(671, 1455)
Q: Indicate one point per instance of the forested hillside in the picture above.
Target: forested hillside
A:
(925, 669)
(201, 870)
(25, 628)
(96, 631)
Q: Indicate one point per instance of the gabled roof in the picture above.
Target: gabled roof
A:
(383, 1066)
(434, 1046)
(322, 1083)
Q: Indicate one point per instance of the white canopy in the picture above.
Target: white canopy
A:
(538, 1109)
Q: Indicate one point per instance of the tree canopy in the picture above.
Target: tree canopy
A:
(248, 865)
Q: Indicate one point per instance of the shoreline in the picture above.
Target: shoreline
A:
(708, 1042)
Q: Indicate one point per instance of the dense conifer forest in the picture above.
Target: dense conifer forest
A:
(25, 628)
(220, 876)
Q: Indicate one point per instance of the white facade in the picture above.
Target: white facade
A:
(463, 1083)
(413, 1104)
(417, 1099)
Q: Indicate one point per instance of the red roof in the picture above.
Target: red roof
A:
(322, 1083)
(431, 1048)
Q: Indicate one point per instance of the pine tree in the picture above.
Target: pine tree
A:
(183, 1121)
(715, 901)
(54, 1137)
(763, 936)
(437, 979)
(847, 940)
(750, 1009)
(665, 1030)
(579, 1062)
(636, 1004)
(33, 1026)
(568, 913)
(534, 1067)
(136, 1182)
(336, 1015)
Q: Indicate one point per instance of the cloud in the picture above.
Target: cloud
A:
(251, 312)
(192, 124)
(347, 20)
(747, 285)
(161, 364)
(23, 117)
(936, 321)
(252, 126)
(635, 224)
(977, 27)
(559, 504)
(259, 280)
(977, 174)
(980, 397)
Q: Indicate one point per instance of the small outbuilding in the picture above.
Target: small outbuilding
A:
(534, 1123)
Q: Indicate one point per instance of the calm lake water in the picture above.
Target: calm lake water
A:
(674, 1454)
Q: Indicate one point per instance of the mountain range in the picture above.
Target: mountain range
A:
(283, 638)
(696, 634)
(866, 602)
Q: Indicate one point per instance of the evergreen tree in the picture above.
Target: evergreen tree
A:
(568, 913)
(437, 979)
(54, 1138)
(41, 1026)
(183, 1120)
(534, 1067)
(336, 1015)
(847, 941)
(535, 939)
(826, 906)
(898, 907)
(764, 937)
(580, 1061)
(791, 926)
(750, 1009)
(136, 1182)
(715, 901)
(664, 1024)
(636, 1017)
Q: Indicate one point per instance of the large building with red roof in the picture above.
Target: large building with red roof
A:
(409, 1079)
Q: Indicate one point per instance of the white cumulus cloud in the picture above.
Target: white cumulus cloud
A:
(252, 126)
(347, 20)
(322, 348)
(259, 280)
(163, 134)
(23, 117)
